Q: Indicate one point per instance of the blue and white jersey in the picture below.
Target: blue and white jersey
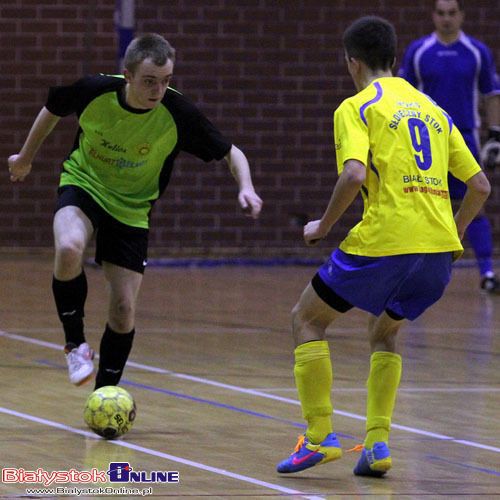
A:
(452, 75)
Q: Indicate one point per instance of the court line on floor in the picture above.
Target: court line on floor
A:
(258, 393)
(126, 382)
(160, 454)
(463, 465)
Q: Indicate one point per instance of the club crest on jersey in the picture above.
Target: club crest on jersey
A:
(144, 149)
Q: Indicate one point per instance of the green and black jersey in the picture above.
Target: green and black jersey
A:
(123, 157)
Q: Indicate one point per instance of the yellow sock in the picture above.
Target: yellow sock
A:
(314, 378)
(382, 385)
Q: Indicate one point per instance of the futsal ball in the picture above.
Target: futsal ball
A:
(110, 411)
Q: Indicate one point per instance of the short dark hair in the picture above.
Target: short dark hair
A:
(373, 40)
(149, 46)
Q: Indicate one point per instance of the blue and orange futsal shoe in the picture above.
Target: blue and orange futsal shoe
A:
(374, 462)
(307, 454)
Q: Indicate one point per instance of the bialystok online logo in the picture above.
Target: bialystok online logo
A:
(121, 472)
(118, 472)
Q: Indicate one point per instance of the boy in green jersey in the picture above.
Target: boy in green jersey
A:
(131, 129)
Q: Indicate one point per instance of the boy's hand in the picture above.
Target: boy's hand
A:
(18, 168)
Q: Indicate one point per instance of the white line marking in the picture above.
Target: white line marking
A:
(261, 394)
(30, 340)
(160, 454)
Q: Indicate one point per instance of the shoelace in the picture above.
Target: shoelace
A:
(299, 444)
(357, 449)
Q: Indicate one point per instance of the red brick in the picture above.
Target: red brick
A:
(18, 12)
(57, 12)
(268, 75)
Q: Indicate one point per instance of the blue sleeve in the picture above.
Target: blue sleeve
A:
(488, 79)
(407, 69)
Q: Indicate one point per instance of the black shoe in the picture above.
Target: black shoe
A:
(491, 285)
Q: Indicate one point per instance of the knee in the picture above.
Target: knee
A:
(122, 312)
(384, 340)
(69, 253)
(306, 325)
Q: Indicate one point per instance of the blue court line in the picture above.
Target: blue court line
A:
(231, 261)
(465, 466)
(210, 402)
(237, 261)
(249, 262)
(203, 400)
(258, 414)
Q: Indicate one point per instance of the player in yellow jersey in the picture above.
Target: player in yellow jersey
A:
(396, 146)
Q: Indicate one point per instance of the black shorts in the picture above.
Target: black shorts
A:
(116, 243)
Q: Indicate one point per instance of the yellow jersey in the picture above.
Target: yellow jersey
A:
(408, 145)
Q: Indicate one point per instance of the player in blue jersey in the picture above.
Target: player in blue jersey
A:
(454, 68)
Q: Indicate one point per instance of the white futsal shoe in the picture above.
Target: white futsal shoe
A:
(80, 364)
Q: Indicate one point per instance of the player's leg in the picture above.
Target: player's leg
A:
(382, 386)
(116, 343)
(426, 279)
(313, 377)
(122, 251)
(72, 233)
(479, 235)
(313, 367)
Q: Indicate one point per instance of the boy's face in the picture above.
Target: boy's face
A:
(447, 17)
(148, 83)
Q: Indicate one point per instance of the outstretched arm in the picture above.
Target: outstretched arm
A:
(20, 164)
(248, 199)
(478, 190)
(346, 189)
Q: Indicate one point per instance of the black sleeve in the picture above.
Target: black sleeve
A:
(197, 135)
(68, 99)
(64, 100)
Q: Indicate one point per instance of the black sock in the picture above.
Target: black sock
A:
(70, 299)
(113, 354)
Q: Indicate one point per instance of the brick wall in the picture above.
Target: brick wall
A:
(269, 73)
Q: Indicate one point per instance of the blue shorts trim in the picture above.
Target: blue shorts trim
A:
(403, 285)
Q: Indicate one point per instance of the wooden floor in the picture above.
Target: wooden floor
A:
(211, 371)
